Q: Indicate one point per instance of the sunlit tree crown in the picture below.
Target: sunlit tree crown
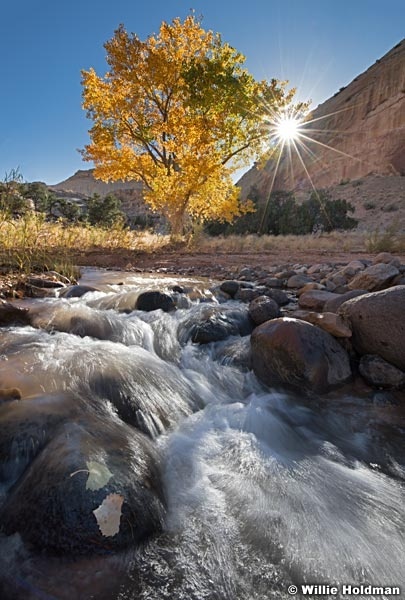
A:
(180, 113)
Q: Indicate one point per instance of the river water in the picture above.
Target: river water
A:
(261, 488)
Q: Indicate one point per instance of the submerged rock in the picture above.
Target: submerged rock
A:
(235, 352)
(92, 489)
(76, 291)
(295, 353)
(154, 300)
(209, 323)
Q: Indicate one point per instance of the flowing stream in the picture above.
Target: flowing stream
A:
(261, 488)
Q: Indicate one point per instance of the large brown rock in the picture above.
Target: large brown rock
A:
(327, 321)
(333, 304)
(295, 353)
(374, 278)
(378, 324)
(315, 299)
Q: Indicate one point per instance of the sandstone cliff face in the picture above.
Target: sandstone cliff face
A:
(365, 120)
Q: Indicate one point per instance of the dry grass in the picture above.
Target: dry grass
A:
(31, 243)
(335, 241)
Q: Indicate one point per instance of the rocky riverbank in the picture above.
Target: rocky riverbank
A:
(307, 327)
(140, 414)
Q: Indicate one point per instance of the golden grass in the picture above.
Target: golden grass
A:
(30, 243)
(327, 242)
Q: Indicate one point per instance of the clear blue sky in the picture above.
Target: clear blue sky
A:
(319, 46)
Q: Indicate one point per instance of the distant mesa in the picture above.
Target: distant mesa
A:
(83, 183)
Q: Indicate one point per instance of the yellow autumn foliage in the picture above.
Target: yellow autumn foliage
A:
(179, 113)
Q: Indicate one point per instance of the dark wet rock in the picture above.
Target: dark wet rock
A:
(230, 287)
(263, 309)
(10, 314)
(315, 299)
(248, 294)
(56, 505)
(178, 289)
(44, 282)
(76, 291)
(285, 274)
(333, 304)
(297, 354)
(247, 274)
(144, 391)
(278, 296)
(329, 285)
(338, 280)
(84, 321)
(235, 352)
(374, 278)
(298, 280)
(214, 323)
(378, 324)
(380, 373)
(122, 302)
(398, 280)
(154, 300)
(273, 282)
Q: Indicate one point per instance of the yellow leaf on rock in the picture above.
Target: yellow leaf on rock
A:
(99, 475)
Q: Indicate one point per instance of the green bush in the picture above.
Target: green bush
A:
(104, 211)
(319, 213)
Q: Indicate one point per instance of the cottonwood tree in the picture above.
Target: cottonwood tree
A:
(179, 113)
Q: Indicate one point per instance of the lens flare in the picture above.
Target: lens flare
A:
(287, 128)
(291, 133)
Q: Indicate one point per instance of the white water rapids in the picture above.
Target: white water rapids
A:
(263, 489)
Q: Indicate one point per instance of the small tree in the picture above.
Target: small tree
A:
(104, 211)
(11, 193)
(179, 113)
(39, 194)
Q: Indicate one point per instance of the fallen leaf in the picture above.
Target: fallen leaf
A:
(99, 475)
(108, 514)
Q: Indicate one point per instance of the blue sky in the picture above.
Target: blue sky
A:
(318, 46)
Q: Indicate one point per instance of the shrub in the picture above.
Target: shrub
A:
(369, 205)
(104, 211)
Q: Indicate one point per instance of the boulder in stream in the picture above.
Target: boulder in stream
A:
(378, 324)
(295, 353)
(94, 488)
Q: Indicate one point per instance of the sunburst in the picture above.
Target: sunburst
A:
(289, 133)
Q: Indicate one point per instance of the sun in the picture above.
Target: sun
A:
(287, 128)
